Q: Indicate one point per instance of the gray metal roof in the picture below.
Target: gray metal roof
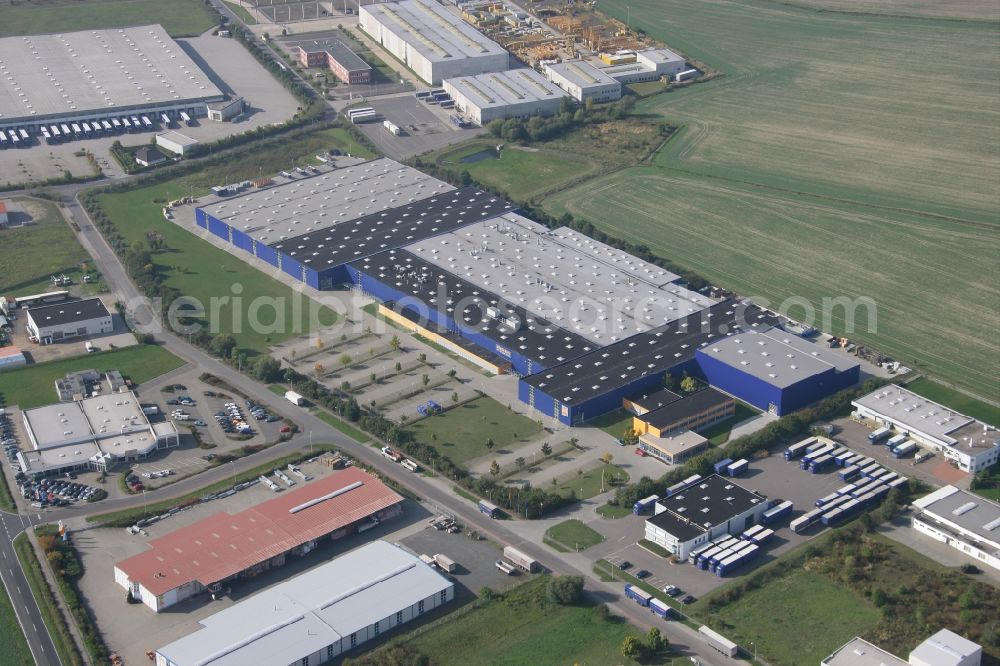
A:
(338, 50)
(68, 312)
(972, 513)
(303, 615)
(503, 89)
(929, 419)
(859, 652)
(96, 70)
(301, 205)
(698, 508)
(776, 357)
(577, 283)
(945, 648)
(581, 73)
(432, 31)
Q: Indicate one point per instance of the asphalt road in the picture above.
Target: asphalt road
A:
(25, 605)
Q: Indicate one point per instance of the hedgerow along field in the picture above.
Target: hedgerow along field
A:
(828, 161)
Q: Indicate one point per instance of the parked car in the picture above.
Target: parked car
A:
(625, 564)
(173, 402)
(642, 573)
(688, 600)
(285, 429)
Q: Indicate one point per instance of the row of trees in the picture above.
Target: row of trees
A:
(569, 118)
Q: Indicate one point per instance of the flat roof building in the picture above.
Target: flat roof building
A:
(945, 648)
(175, 142)
(673, 447)
(97, 74)
(583, 81)
(92, 433)
(700, 409)
(69, 319)
(318, 615)
(662, 61)
(11, 357)
(515, 93)
(338, 56)
(433, 42)
(709, 508)
(775, 371)
(972, 444)
(225, 547)
(964, 521)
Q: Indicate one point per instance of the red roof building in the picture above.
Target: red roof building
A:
(224, 546)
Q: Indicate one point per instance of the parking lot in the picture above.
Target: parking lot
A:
(772, 476)
(120, 337)
(425, 127)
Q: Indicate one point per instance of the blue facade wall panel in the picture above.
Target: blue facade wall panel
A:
(268, 254)
(312, 278)
(291, 266)
(219, 228)
(200, 218)
(744, 386)
(242, 241)
(331, 276)
(817, 387)
(612, 400)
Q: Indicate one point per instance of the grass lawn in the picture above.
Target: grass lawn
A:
(51, 615)
(461, 433)
(614, 423)
(342, 426)
(587, 482)
(200, 270)
(821, 614)
(613, 511)
(14, 647)
(812, 168)
(718, 434)
(956, 400)
(525, 628)
(34, 385)
(180, 18)
(574, 535)
(241, 12)
(45, 248)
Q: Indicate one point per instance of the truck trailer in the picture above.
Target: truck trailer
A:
(637, 595)
(643, 505)
(738, 468)
(776, 512)
(520, 560)
(717, 641)
(721, 466)
(904, 449)
(879, 435)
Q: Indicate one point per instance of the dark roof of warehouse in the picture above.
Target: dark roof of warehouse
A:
(651, 400)
(696, 509)
(695, 403)
(434, 287)
(68, 312)
(338, 50)
(608, 368)
(392, 228)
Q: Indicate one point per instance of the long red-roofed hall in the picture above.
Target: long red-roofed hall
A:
(225, 546)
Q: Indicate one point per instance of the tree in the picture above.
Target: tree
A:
(490, 443)
(879, 597)
(373, 377)
(546, 449)
(520, 462)
(345, 359)
(422, 357)
(630, 437)
(425, 379)
(266, 369)
(655, 640)
(494, 468)
(318, 369)
(454, 396)
(495, 128)
(607, 458)
(631, 647)
(565, 590)
(399, 366)
(689, 385)
(394, 344)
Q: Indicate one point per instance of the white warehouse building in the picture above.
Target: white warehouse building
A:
(319, 615)
(71, 319)
(516, 93)
(583, 81)
(971, 444)
(433, 42)
(964, 521)
(663, 61)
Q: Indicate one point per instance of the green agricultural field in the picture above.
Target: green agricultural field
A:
(34, 385)
(827, 162)
(461, 433)
(574, 535)
(525, 628)
(198, 269)
(180, 18)
(819, 613)
(241, 12)
(38, 251)
(956, 400)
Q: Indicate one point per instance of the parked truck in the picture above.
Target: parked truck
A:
(488, 508)
(738, 468)
(797, 449)
(520, 560)
(904, 449)
(717, 641)
(896, 440)
(294, 398)
(721, 466)
(637, 595)
(644, 505)
(879, 435)
(776, 512)
(445, 562)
